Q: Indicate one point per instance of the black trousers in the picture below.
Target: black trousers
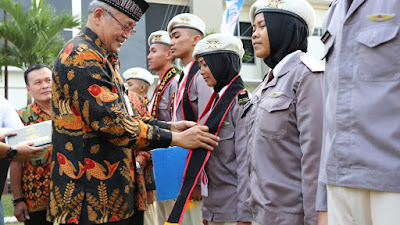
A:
(38, 218)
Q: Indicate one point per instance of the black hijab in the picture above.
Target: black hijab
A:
(224, 67)
(287, 33)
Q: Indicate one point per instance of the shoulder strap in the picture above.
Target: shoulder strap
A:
(312, 64)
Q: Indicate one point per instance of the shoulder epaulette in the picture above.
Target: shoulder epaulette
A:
(243, 97)
(312, 64)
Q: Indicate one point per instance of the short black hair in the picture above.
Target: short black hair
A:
(193, 32)
(32, 68)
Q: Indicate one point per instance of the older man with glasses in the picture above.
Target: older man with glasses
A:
(94, 139)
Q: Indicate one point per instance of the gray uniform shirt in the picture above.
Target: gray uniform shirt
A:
(284, 127)
(361, 145)
(164, 105)
(199, 94)
(226, 170)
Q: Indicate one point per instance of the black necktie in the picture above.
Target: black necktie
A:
(181, 77)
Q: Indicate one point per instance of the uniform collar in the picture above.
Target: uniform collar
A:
(282, 68)
(280, 65)
(187, 68)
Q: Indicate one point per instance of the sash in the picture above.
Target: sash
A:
(171, 106)
(197, 158)
(169, 75)
(187, 107)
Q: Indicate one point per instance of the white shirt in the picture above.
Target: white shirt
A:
(9, 118)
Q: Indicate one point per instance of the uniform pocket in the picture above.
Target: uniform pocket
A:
(273, 117)
(377, 53)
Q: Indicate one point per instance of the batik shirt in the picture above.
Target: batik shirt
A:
(139, 109)
(94, 138)
(36, 171)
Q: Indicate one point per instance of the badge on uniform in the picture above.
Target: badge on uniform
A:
(325, 37)
(157, 38)
(275, 94)
(276, 4)
(380, 17)
(224, 123)
(243, 97)
(213, 44)
(185, 20)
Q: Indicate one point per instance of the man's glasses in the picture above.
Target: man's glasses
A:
(124, 27)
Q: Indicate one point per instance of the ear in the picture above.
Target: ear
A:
(28, 89)
(196, 39)
(98, 15)
(142, 87)
(169, 55)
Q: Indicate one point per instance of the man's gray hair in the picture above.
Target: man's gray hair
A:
(94, 4)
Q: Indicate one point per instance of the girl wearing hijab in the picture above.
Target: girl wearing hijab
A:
(225, 177)
(284, 118)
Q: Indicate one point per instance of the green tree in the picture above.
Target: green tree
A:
(33, 35)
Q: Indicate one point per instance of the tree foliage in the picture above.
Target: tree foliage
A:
(34, 34)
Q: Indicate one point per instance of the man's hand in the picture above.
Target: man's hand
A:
(21, 212)
(196, 193)
(195, 137)
(4, 135)
(205, 222)
(150, 197)
(322, 218)
(26, 151)
(182, 125)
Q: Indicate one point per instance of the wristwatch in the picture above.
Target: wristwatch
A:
(12, 153)
(18, 200)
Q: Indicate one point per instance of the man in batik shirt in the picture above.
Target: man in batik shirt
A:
(94, 138)
(30, 180)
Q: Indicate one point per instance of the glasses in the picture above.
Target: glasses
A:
(124, 27)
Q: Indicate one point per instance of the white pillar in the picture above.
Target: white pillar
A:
(76, 11)
(210, 11)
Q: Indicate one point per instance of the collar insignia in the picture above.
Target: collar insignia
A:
(243, 97)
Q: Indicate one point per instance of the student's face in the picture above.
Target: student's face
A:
(182, 42)
(39, 84)
(136, 86)
(206, 73)
(260, 39)
(112, 33)
(158, 56)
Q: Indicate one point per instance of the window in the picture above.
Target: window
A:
(244, 31)
(317, 32)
